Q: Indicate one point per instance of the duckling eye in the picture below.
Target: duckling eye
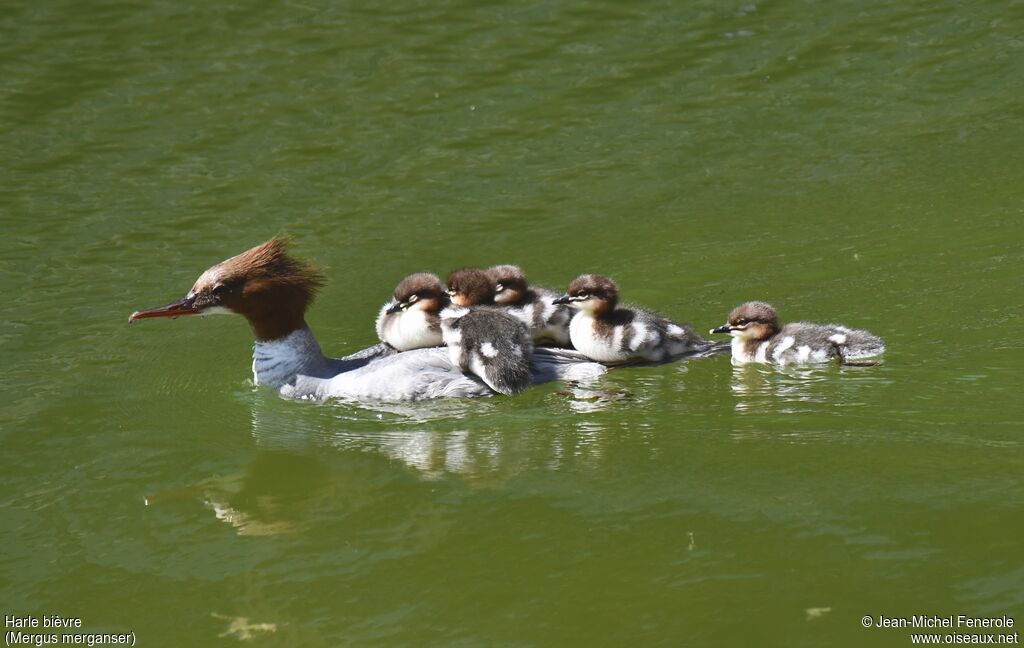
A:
(412, 300)
(741, 322)
(498, 287)
(219, 290)
(583, 295)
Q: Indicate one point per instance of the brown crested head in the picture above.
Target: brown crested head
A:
(421, 291)
(508, 282)
(470, 287)
(752, 320)
(592, 293)
(265, 284)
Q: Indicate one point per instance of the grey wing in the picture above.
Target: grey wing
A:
(551, 363)
(803, 342)
(855, 343)
(417, 374)
(381, 373)
(681, 339)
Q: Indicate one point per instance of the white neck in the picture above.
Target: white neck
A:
(277, 362)
(741, 354)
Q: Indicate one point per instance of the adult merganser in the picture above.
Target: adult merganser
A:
(272, 290)
(756, 337)
(534, 306)
(604, 331)
(410, 320)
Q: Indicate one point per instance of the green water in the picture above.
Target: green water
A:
(846, 161)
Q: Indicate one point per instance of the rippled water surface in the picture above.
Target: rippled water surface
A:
(846, 161)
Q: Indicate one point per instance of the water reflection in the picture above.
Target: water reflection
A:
(272, 495)
(486, 442)
(788, 390)
(481, 441)
(278, 490)
(586, 398)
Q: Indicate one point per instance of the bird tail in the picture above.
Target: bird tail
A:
(508, 378)
(859, 344)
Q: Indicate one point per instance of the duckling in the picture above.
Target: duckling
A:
(757, 337)
(604, 331)
(470, 287)
(547, 319)
(410, 320)
(491, 344)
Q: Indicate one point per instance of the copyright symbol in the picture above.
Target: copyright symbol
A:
(866, 621)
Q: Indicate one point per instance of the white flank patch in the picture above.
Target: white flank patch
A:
(617, 333)
(761, 355)
(803, 353)
(488, 350)
(547, 309)
(838, 338)
(639, 337)
(785, 344)
(451, 336)
(675, 330)
(455, 354)
(477, 367)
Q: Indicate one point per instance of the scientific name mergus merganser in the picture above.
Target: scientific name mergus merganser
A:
(272, 290)
(535, 306)
(757, 337)
(604, 331)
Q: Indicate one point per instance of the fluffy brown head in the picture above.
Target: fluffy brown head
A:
(751, 321)
(421, 291)
(470, 287)
(264, 284)
(509, 283)
(592, 293)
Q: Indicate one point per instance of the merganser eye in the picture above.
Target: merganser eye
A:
(498, 287)
(413, 299)
(219, 290)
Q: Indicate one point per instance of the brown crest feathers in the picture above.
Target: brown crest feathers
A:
(471, 286)
(506, 274)
(754, 311)
(421, 283)
(270, 265)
